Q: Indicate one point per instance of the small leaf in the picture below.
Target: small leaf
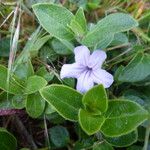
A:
(124, 140)
(103, 43)
(103, 146)
(47, 54)
(8, 141)
(14, 86)
(78, 23)
(19, 101)
(35, 105)
(119, 39)
(4, 47)
(34, 84)
(122, 117)
(48, 76)
(62, 47)
(111, 24)
(6, 100)
(24, 70)
(54, 19)
(65, 100)
(90, 123)
(138, 69)
(59, 136)
(95, 100)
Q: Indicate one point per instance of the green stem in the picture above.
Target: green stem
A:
(147, 134)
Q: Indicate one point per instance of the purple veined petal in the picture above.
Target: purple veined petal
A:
(101, 76)
(96, 59)
(82, 55)
(71, 70)
(84, 82)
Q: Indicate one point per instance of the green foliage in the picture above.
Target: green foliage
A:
(35, 105)
(19, 101)
(122, 117)
(34, 84)
(78, 24)
(108, 26)
(4, 47)
(90, 123)
(62, 47)
(103, 146)
(54, 20)
(138, 69)
(65, 100)
(48, 76)
(124, 140)
(8, 141)
(59, 136)
(13, 85)
(95, 100)
(24, 70)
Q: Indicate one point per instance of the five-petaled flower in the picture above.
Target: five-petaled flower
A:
(87, 69)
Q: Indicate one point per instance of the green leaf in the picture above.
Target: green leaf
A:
(47, 54)
(122, 117)
(48, 109)
(111, 24)
(103, 43)
(40, 41)
(124, 140)
(59, 136)
(62, 47)
(138, 69)
(6, 100)
(35, 105)
(119, 39)
(103, 146)
(4, 47)
(78, 23)
(95, 100)
(8, 141)
(48, 76)
(34, 84)
(90, 123)
(135, 147)
(54, 19)
(19, 101)
(65, 100)
(14, 86)
(24, 70)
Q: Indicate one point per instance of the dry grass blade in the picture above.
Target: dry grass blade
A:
(13, 43)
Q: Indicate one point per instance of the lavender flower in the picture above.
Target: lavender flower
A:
(87, 69)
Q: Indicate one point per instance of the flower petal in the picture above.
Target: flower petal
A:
(101, 76)
(96, 59)
(85, 82)
(82, 55)
(71, 70)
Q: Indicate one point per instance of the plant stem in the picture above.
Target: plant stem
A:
(147, 134)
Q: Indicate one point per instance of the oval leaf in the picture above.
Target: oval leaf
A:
(14, 86)
(65, 100)
(34, 84)
(35, 105)
(138, 69)
(90, 123)
(122, 117)
(124, 140)
(54, 19)
(95, 100)
(114, 23)
(7, 140)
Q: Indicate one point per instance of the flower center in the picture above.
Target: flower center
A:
(89, 68)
